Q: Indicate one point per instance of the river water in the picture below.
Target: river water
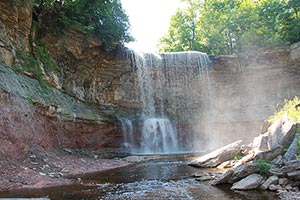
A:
(160, 179)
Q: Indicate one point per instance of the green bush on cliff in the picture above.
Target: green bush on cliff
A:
(291, 107)
(262, 166)
(103, 19)
(32, 62)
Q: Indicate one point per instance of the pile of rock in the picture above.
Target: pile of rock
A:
(264, 164)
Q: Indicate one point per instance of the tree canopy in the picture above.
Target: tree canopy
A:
(228, 26)
(104, 19)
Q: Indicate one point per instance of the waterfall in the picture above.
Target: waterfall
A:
(159, 136)
(164, 89)
(127, 130)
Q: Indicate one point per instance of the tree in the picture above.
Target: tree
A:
(228, 26)
(289, 22)
(104, 19)
(182, 31)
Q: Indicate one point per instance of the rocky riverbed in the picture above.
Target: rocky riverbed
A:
(53, 168)
(271, 162)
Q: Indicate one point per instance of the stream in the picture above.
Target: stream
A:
(160, 179)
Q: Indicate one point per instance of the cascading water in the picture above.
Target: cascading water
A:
(127, 130)
(164, 84)
(159, 136)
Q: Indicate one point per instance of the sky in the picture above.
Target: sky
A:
(149, 21)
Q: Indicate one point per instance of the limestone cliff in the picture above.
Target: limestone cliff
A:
(34, 116)
(15, 26)
(244, 90)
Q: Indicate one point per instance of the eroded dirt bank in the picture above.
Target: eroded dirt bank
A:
(53, 168)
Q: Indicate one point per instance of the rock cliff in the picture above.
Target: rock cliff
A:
(243, 90)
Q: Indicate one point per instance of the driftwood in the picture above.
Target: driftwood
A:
(218, 156)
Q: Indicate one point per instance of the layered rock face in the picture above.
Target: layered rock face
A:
(228, 103)
(29, 120)
(247, 90)
(15, 26)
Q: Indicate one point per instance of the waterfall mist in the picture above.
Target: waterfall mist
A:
(209, 103)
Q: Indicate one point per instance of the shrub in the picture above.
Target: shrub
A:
(103, 19)
(32, 62)
(291, 107)
(262, 166)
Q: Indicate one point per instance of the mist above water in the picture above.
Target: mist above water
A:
(164, 84)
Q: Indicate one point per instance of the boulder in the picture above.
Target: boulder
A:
(218, 156)
(290, 168)
(292, 150)
(269, 155)
(236, 174)
(269, 181)
(250, 182)
(224, 178)
(264, 127)
(261, 142)
(281, 132)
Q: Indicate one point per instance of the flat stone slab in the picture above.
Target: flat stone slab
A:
(250, 182)
(218, 156)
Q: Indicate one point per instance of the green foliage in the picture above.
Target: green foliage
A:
(104, 19)
(263, 166)
(291, 107)
(32, 62)
(237, 156)
(228, 26)
(298, 149)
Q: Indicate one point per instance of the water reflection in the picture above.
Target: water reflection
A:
(168, 179)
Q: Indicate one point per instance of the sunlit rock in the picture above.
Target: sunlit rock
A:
(250, 182)
(218, 156)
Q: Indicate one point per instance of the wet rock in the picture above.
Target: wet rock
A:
(218, 156)
(269, 181)
(250, 182)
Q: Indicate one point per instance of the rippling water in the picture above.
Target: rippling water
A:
(165, 179)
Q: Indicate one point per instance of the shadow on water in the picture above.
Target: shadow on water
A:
(160, 179)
